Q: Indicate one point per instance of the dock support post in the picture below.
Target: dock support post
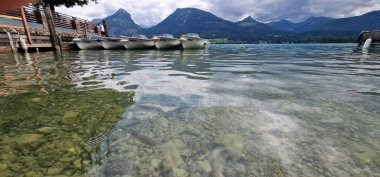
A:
(26, 26)
(43, 19)
(51, 25)
(106, 27)
(98, 31)
(85, 29)
(60, 42)
(76, 24)
(14, 50)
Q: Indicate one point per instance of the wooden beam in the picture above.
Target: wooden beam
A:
(105, 25)
(10, 17)
(5, 50)
(45, 45)
(43, 20)
(14, 50)
(85, 29)
(26, 26)
(51, 25)
(11, 26)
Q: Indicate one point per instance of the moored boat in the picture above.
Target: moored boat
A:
(369, 39)
(166, 42)
(89, 43)
(193, 41)
(139, 41)
(113, 43)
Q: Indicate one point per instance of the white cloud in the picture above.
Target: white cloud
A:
(151, 12)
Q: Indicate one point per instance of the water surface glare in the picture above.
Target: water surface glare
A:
(232, 110)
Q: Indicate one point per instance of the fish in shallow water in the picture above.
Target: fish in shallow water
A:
(143, 138)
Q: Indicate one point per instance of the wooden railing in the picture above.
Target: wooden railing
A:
(37, 15)
(69, 22)
(49, 29)
(33, 14)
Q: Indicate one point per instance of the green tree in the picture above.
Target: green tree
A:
(67, 3)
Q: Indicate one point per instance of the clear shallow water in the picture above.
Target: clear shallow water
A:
(232, 110)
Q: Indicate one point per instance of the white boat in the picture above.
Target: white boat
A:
(369, 39)
(193, 41)
(139, 41)
(166, 41)
(89, 43)
(113, 43)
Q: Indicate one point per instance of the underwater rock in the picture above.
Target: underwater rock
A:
(233, 143)
(171, 157)
(70, 117)
(218, 160)
(28, 141)
(3, 166)
(36, 99)
(155, 163)
(77, 164)
(176, 172)
(191, 133)
(332, 120)
(90, 77)
(204, 166)
(195, 175)
(74, 150)
(6, 173)
(240, 168)
(33, 174)
(162, 122)
(53, 170)
(46, 130)
(218, 174)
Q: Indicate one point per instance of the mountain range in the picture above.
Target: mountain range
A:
(307, 25)
(120, 23)
(208, 25)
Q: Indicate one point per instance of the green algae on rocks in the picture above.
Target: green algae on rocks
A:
(47, 135)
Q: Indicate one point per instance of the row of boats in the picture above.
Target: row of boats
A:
(161, 42)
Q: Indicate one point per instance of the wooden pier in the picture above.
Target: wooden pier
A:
(42, 29)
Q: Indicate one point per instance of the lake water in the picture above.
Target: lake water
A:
(232, 110)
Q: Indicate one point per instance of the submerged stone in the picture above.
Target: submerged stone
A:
(332, 120)
(176, 172)
(204, 166)
(36, 99)
(29, 141)
(155, 163)
(233, 143)
(45, 130)
(77, 164)
(3, 166)
(69, 117)
(53, 170)
(33, 174)
(240, 168)
(171, 157)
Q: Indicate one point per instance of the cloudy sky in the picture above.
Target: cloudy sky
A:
(151, 12)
